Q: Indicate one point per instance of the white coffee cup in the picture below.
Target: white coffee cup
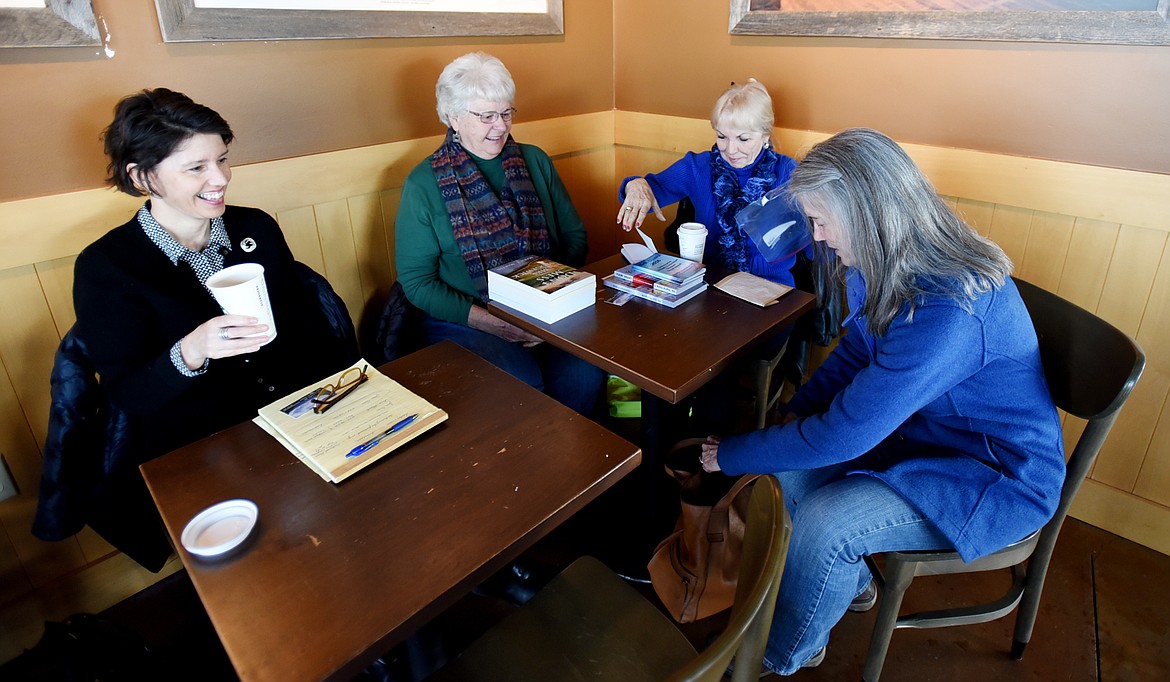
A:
(240, 290)
(692, 237)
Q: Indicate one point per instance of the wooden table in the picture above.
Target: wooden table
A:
(668, 353)
(336, 575)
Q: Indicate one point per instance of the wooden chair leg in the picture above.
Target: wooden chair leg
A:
(897, 578)
(755, 641)
(763, 387)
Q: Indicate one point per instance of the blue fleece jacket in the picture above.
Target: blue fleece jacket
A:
(951, 409)
(690, 177)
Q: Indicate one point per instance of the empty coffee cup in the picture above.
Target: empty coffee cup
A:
(692, 237)
(240, 290)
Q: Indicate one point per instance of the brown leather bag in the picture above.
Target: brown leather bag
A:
(694, 570)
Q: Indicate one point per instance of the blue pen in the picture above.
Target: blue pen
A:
(381, 436)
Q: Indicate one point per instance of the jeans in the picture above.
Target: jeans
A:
(570, 380)
(836, 520)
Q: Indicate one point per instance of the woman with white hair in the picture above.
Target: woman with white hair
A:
(739, 168)
(482, 200)
(930, 426)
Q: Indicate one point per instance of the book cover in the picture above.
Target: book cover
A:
(541, 276)
(647, 291)
(668, 267)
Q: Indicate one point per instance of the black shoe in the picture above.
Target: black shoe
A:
(866, 599)
(817, 658)
(516, 584)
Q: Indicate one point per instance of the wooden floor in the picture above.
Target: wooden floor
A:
(1104, 616)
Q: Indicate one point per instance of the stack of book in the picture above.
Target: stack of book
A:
(541, 288)
(661, 278)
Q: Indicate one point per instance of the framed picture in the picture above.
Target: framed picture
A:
(48, 23)
(204, 20)
(1125, 22)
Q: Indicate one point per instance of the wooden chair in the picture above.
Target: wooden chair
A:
(589, 624)
(1091, 368)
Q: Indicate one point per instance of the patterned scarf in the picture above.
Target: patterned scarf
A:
(730, 199)
(489, 230)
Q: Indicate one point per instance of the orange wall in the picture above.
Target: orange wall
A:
(282, 98)
(1101, 105)
(1097, 104)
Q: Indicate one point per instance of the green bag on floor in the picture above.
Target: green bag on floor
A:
(624, 398)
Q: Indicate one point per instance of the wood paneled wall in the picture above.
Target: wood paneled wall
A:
(1096, 236)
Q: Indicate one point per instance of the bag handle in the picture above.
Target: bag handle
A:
(736, 489)
(683, 476)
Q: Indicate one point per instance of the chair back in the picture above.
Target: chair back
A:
(400, 328)
(87, 446)
(74, 451)
(1091, 367)
(336, 314)
(765, 548)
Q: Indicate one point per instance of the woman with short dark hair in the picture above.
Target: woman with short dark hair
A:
(166, 353)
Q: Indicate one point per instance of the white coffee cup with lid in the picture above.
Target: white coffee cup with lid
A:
(692, 238)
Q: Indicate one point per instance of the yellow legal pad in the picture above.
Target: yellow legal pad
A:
(324, 441)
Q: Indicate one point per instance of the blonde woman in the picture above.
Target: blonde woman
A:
(738, 169)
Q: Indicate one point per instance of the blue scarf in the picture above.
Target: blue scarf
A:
(730, 199)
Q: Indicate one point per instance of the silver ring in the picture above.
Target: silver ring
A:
(625, 208)
(223, 334)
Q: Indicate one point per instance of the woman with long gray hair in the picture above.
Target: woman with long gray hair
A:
(929, 426)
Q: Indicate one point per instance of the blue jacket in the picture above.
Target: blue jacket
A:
(690, 177)
(951, 409)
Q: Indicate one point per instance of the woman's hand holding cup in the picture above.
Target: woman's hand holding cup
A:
(223, 337)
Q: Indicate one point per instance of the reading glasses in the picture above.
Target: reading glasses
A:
(490, 117)
(330, 394)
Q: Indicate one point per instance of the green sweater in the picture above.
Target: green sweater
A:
(430, 266)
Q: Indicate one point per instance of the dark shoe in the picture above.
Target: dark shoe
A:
(764, 671)
(866, 599)
(515, 584)
(86, 647)
(817, 658)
